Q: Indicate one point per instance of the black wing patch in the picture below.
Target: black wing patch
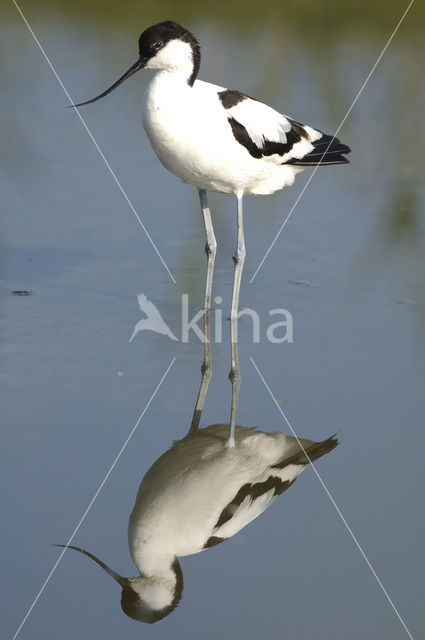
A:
(213, 541)
(327, 150)
(268, 148)
(254, 491)
(241, 135)
(230, 98)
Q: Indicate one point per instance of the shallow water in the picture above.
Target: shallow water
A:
(348, 266)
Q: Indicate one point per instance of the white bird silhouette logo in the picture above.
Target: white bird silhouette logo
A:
(153, 321)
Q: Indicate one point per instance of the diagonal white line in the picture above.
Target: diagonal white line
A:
(333, 137)
(347, 526)
(93, 499)
(111, 171)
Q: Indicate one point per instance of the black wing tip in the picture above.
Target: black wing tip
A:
(327, 150)
(319, 449)
(305, 162)
(331, 442)
(312, 453)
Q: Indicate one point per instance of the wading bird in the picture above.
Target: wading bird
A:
(217, 139)
(198, 494)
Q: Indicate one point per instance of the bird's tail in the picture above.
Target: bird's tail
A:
(327, 150)
(308, 452)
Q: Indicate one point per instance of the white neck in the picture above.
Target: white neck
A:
(153, 560)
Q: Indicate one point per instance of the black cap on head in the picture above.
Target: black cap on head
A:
(156, 36)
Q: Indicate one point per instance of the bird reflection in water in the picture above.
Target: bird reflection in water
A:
(200, 492)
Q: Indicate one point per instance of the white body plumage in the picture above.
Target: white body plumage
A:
(214, 481)
(189, 130)
(181, 500)
(197, 494)
(219, 139)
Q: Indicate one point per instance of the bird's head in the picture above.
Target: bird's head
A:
(171, 47)
(167, 46)
(144, 598)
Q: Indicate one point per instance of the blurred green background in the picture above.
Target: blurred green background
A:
(306, 16)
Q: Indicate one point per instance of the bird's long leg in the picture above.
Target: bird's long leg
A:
(206, 368)
(210, 247)
(206, 373)
(234, 375)
(238, 259)
(235, 379)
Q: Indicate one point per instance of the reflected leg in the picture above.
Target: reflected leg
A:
(210, 247)
(206, 373)
(206, 369)
(235, 379)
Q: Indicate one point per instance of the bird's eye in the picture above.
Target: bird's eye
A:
(155, 46)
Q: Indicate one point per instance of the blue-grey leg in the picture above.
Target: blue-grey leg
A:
(210, 247)
(206, 369)
(206, 373)
(238, 259)
(234, 375)
(235, 379)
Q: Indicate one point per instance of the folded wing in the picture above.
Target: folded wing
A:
(266, 133)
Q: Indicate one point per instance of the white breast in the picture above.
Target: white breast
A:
(190, 133)
(183, 494)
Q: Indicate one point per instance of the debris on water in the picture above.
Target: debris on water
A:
(300, 281)
(367, 326)
(21, 292)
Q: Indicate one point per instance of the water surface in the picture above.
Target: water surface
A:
(73, 387)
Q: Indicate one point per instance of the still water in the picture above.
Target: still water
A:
(349, 268)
